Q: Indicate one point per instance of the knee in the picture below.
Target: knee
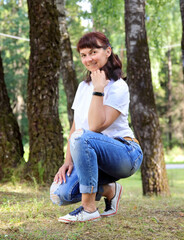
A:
(53, 196)
(76, 138)
(76, 135)
(57, 196)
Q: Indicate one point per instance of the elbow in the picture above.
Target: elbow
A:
(96, 128)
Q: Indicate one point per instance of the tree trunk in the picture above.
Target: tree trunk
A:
(67, 66)
(11, 149)
(45, 131)
(169, 98)
(182, 48)
(182, 41)
(142, 104)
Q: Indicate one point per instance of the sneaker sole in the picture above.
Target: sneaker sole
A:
(70, 221)
(117, 205)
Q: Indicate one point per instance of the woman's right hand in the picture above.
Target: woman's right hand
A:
(61, 174)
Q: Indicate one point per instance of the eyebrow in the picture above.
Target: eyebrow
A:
(91, 49)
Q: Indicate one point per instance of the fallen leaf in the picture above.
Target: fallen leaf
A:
(181, 214)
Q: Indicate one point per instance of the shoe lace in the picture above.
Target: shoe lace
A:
(107, 205)
(77, 211)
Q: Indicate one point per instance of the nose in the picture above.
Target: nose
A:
(88, 58)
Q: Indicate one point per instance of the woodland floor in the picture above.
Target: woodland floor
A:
(27, 213)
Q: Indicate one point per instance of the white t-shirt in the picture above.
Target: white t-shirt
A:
(116, 95)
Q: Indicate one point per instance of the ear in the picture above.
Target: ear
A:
(108, 51)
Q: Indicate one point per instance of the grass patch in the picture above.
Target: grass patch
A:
(27, 213)
(175, 155)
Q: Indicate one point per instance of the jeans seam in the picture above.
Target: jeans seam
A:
(89, 162)
(70, 193)
(139, 156)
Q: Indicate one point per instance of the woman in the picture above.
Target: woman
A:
(102, 148)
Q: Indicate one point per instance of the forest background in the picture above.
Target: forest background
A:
(164, 31)
(140, 218)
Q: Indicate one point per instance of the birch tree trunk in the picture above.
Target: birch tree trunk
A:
(182, 41)
(67, 66)
(142, 106)
(11, 149)
(169, 98)
(182, 48)
(45, 131)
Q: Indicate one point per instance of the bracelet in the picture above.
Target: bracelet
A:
(98, 94)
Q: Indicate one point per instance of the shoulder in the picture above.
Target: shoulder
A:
(118, 96)
(119, 86)
(120, 83)
(83, 86)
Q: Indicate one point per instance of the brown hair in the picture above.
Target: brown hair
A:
(113, 66)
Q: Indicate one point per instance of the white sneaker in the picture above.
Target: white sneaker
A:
(112, 205)
(80, 215)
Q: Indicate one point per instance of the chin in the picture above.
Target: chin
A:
(93, 69)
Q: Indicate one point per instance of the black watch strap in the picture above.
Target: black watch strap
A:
(98, 94)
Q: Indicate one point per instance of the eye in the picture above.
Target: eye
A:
(94, 51)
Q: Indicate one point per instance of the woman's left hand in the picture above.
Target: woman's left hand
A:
(99, 80)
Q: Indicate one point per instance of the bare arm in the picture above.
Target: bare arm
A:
(68, 158)
(100, 116)
(68, 164)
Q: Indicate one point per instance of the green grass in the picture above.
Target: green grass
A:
(175, 155)
(27, 213)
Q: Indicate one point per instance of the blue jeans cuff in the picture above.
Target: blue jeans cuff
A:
(88, 189)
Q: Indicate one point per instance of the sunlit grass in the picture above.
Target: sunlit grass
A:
(27, 213)
(175, 155)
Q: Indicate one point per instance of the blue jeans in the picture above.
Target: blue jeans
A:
(98, 160)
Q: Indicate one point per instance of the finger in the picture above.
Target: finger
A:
(59, 178)
(63, 177)
(107, 82)
(102, 72)
(92, 74)
(56, 178)
(69, 170)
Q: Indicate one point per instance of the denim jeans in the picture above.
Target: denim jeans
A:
(98, 160)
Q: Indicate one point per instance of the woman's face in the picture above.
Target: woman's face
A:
(94, 58)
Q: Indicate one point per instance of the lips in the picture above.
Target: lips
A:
(92, 65)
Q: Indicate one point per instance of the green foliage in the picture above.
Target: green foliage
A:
(164, 30)
(15, 54)
(108, 17)
(76, 30)
(163, 24)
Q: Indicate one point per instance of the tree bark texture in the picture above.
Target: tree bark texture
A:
(182, 49)
(142, 104)
(67, 66)
(11, 148)
(169, 98)
(45, 131)
(182, 41)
